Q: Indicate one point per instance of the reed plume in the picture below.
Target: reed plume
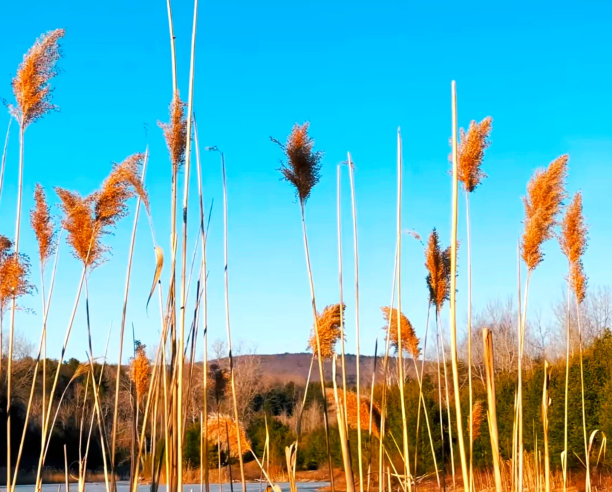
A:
(220, 426)
(86, 219)
(438, 266)
(353, 410)
(175, 132)
(573, 241)
(410, 342)
(14, 273)
(471, 152)
(545, 193)
(328, 325)
(478, 415)
(31, 84)
(303, 167)
(42, 224)
(141, 368)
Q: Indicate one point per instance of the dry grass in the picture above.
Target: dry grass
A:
(31, 84)
(438, 265)
(175, 132)
(545, 193)
(410, 342)
(303, 167)
(478, 416)
(42, 225)
(471, 152)
(328, 325)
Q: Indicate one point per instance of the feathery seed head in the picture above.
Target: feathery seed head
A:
(303, 167)
(471, 152)
(573, 238)
(31, 84)
(87, 219)
(5, 245)
(40, 218)
(438, 266)
(356, 411)
(14, 273)
(140, 372)
(478, 415)
(578, 280)
(545, 194)
(410, 342)
(328, 323)
(175, 133)
(220, 426)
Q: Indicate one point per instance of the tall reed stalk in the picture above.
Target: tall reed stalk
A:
(453, 294)
(544, 407)
(357, 335)
(487, 339)
(4, 150)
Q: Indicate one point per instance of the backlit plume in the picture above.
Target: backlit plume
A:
(31, 85)
(438, 266)
(86, 219)
(410, 342)
(175, 133)
(222, 430)
(141, 368)
(303, 166)
(328, 323)
(14, 273)
(471, 152)
(545, 194)
(40, 218)
(573, 241)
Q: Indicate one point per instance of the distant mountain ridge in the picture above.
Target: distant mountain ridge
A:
(293, 367)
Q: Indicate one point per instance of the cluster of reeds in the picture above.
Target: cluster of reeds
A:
(162, 385)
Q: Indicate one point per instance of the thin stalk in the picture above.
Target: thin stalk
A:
(319, 357)
(181, 349)
(584, 429)
(9, 370)
(446, 392)
(341, 413)
(469, 334)
(400, 362)
(46, 429)
(520, 389)
(3, 162)
(453, 295)
(545, 427)
(227, 325)
(41, 346)
(204, 280)
(340, 281)
(565, 405)
(441, 403)
(126, 291)
(357, 356)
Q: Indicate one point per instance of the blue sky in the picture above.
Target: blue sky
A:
(357, 71)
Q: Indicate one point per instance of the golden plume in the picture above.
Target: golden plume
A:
(353, 410)
(328, 323)
(222, 426)
(573, 241)
(175, 132)
(478, 415)
(87, 219)
(303, 167)
(31, 84)
(545, 193)
(471, 152)
(410, 342)
(438, 266)
(140, 372)
(40, 218)
(14, 273)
